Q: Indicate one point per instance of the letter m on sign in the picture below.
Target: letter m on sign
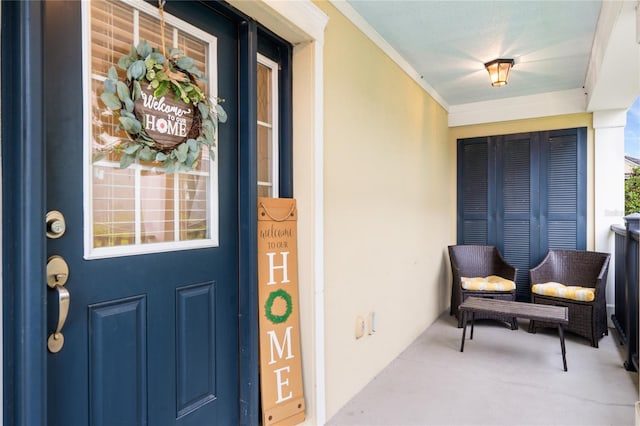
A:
(286, 344)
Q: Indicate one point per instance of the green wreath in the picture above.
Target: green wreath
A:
(268, 306)
(173, 74)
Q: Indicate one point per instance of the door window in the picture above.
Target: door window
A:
(141, 209)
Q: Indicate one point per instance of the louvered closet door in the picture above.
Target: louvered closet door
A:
(514, 207)
(472, 193)
(564, 169)
(524, 193)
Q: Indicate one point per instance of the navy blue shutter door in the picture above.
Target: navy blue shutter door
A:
(564, 190)
(472, 191)
(524, 193)
(514, 206)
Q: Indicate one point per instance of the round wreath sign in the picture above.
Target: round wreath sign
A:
(162, 108)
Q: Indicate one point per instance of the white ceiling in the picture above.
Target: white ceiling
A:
(448, 42)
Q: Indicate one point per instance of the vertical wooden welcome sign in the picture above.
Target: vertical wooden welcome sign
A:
(280, 360)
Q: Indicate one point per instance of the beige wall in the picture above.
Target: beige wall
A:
(539, 124)
(388, 208)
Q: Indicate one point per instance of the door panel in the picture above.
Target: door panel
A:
(117, 324)
(195, 328)
(150, 338)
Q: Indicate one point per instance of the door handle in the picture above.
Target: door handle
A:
(57, 275)
(56, 339)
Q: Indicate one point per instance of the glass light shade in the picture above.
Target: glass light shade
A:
(499, 71)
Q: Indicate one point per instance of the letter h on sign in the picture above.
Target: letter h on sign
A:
(272, 268)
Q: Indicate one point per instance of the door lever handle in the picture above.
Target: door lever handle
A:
(57, 275)
(56, 339)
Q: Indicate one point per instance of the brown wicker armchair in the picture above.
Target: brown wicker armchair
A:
(479, 261)
(575, 268)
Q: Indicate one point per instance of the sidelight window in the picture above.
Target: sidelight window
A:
(267, 127)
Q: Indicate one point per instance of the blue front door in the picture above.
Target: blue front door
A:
(151, 336)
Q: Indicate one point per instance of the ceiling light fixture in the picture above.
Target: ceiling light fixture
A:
(499, 71)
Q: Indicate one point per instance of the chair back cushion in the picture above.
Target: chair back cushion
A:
(573, 292)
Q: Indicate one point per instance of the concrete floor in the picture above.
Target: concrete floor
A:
(503, 377)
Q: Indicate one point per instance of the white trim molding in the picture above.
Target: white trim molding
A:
(297, 21)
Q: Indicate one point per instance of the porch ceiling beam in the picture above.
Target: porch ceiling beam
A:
(613, 74)
(518, 108)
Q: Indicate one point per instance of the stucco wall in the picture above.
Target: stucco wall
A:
(388, 208)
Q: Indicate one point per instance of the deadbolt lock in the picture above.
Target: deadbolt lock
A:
(55, 224)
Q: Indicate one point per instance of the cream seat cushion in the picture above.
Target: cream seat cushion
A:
(490, 283)
(573, 292)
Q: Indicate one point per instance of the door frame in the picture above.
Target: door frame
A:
(24, 203)
(303, 24)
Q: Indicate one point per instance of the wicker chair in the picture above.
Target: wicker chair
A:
(479, 261)
(575, 268)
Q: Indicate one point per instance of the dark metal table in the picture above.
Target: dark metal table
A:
(551, 314)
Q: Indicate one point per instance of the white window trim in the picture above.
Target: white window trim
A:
(91, 252)
(274, 125)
